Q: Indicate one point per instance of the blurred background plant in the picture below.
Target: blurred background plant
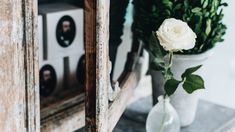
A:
(203, 16)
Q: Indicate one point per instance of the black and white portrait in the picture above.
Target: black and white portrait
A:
(48, 80)
(65, 31)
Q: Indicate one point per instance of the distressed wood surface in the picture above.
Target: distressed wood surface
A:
(30, 16)
(97, 74)
(19, 91)
(56, 106)
(118, 106)
(102, 65)
(90, 64)
(68, 120)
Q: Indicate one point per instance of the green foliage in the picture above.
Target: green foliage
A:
(157, 53)
(171, 85)
(155, 47)
(191, 81)
(190, 71)
(203, 16)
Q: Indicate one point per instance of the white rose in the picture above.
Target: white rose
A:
(175, 35)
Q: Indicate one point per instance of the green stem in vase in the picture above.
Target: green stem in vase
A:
(167, 72)
(164, 116)
(170, 60)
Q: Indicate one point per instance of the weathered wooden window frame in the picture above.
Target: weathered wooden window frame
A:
(19, 104)
(19, 66)
(102, 115)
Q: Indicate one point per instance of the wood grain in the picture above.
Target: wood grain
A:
(19, 103)
(118, 106)
(90, 64)
(102, 65)
(19, 90)
(97, 74)
(30, 16)
(67, 120)
(56, 105)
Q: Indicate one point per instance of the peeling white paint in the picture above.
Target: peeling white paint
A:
(3, 24)
(17, 31)
(17, 114)
(13, 78)
(2, 107)
(3, 36)
(2, 51)
(1, 72)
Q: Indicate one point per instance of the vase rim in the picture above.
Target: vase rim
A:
(200, 56)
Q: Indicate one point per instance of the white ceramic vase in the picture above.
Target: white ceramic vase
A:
(184, 103)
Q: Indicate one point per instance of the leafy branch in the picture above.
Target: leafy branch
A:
(189, 80)
(203, 16)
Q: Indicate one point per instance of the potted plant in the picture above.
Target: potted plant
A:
(204, 17)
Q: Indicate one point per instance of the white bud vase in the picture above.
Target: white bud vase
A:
(184, 103)
(163, 117)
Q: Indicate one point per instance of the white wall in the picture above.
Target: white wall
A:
(220, 68)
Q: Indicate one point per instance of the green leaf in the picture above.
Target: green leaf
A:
(167, 73)
(196, 9)
(190, 71)
(178, 6)
(157, 53)
(186, 4)
(224, 4)
(205, 3)
(167, 3)
(208, 27)
(159, 60)
(171, 85)
(216, 4)
(198, 22)
(157, 64)
(202, 1)
(203, 36)
(155, 48)
(157, 67)
(192, 83)
(167, 12)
